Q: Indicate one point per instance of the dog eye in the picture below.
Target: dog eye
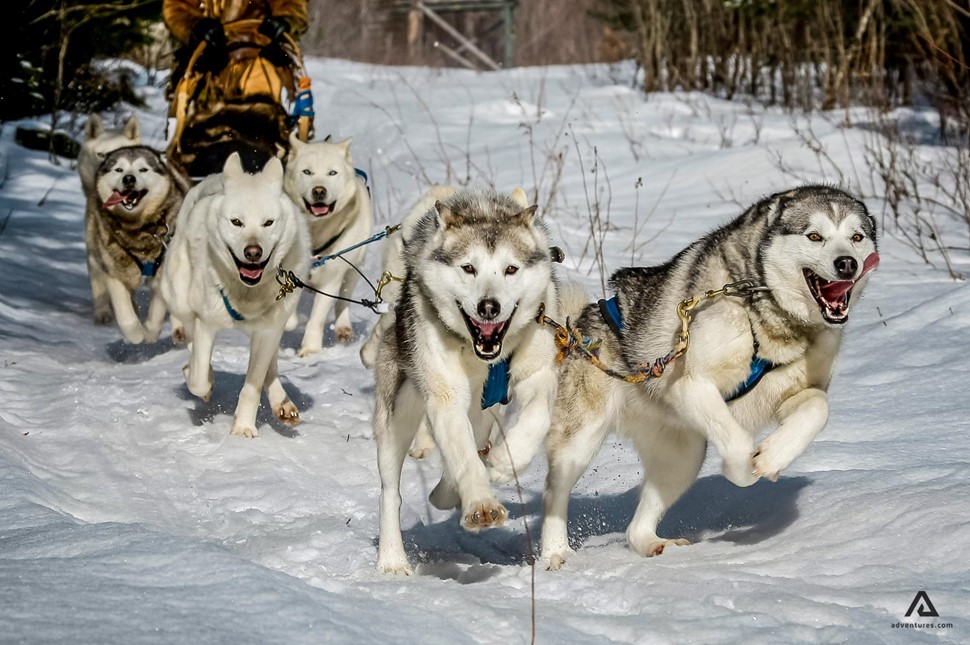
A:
(101, 155)
(858, 237)
(332, 173)
(511, 269)
(469, 269)
(118, 170)
(815, 237)
(143, 170)
(235, 222)
(307, 171)
(268, 222)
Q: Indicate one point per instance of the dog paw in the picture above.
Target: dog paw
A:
(198, 387)
(102, 318)
(653, 547)
(344, 335)
(152, 334)
(420, 453)
(134, 335)
(394, 568)
(740, 472)
(558, 559)
(500, 470)
(243, 430)
(308, 351)
(765, 463)
(480, 516)
(287, 413)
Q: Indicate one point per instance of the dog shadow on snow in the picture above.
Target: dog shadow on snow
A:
(712, 505)
(225, 395)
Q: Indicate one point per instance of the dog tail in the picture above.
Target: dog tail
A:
(572, 300)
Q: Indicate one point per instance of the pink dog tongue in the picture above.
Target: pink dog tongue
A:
(488, 329)
(115, 199)
(252, 274)
(835, 290)
(320, 210)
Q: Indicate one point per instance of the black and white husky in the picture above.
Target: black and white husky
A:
(811, 248)
(478, 270)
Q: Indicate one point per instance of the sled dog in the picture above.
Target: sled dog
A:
(393, 263)
(812, 249)
(478, 270)
(235, 230)
(130, 215)
(322, 182)
(98, 142)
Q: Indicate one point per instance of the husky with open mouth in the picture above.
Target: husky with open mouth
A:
(130, 215)
(763, 356)
(335, 201)
(235, 231)
(478, 270)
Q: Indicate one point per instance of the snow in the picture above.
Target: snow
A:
(128, 514)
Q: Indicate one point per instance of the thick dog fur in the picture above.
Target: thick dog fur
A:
(477, 268)
(393, 263)
(780, 242)
(235, 230)
(130, 214)
(321, 181)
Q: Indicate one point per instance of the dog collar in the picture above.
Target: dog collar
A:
(235, 315)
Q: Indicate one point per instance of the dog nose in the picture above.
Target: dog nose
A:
(846, 266)
(319, 193)
(253, 252)
(489, 309)
(128, 180)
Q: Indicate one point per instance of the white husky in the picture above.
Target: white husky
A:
(235, 230)
(478, 272)
(322, 182)
(756, 356)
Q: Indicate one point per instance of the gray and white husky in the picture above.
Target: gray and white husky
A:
(129, 215)
(811, 248)
(98, 142)
(478, 270)
(235, 230)
(322, 182)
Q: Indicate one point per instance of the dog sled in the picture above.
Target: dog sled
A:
(240, 108)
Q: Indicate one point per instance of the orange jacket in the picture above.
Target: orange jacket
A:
(182, 15)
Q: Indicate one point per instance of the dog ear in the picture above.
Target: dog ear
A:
(132, 129)
(94, 128)
(295, 143)
(526, 216)
(273, 171)
(518, 195)
(446, 217)
(233, 167)
(345, 147)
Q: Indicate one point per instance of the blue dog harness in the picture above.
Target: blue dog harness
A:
(610, 310)
(235, 315)
(496, 388)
